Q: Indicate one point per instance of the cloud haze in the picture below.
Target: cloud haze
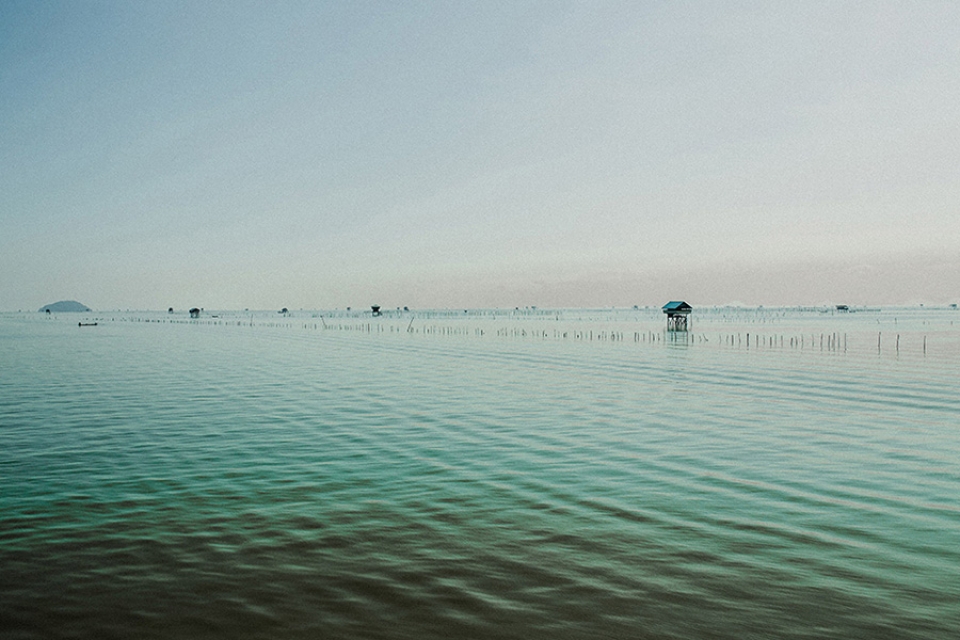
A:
(318, 155)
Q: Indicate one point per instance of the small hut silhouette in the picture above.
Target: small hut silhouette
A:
(194, 313)
(375, 309)
(678, 313)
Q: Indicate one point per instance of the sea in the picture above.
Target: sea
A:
(499, 473)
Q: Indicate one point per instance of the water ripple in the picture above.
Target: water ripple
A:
(235, 481)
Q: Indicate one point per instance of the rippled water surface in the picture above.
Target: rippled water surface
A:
(576, 476)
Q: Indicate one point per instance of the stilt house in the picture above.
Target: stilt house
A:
(678, 313)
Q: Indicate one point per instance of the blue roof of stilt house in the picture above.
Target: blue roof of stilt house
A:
(677, 306)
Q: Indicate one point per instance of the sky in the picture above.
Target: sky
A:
(316, 155)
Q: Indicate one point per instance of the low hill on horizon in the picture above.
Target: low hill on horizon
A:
(64, 306)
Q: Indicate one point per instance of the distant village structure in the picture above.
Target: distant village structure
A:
(678, 315)
(194, 313)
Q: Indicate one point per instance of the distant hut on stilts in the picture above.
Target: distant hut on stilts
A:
(678, 315)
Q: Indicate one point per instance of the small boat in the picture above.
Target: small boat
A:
(86, 324)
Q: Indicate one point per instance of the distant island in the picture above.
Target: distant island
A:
(64, 306)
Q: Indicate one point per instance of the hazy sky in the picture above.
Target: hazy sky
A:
(467, 154)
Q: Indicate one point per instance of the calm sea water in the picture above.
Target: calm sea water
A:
(535, 474)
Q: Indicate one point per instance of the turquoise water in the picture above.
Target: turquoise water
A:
(573, 474)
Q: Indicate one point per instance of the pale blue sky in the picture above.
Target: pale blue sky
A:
(456, 154)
